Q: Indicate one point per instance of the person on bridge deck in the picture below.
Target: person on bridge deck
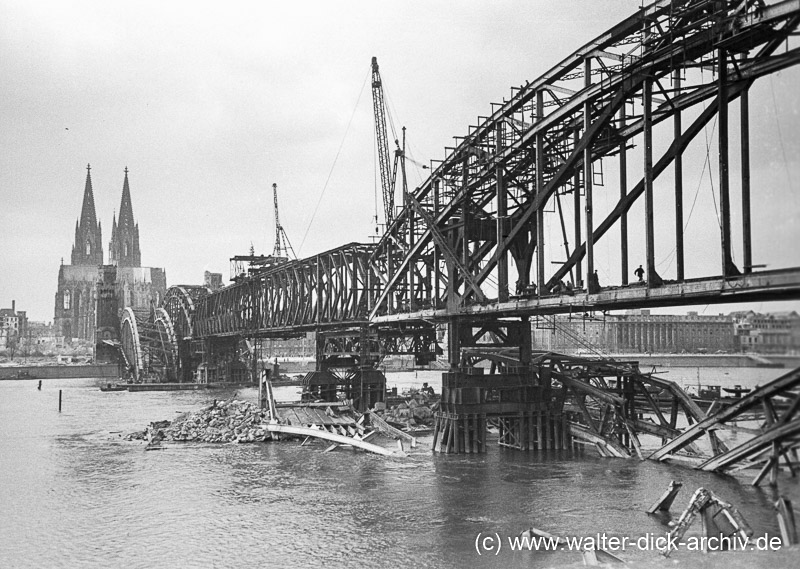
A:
(594, 282)
(563, 288)
(639, 273)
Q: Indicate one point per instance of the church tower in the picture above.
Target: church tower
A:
(124, 246)
(88, 247)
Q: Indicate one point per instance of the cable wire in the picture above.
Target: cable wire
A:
(333, 166)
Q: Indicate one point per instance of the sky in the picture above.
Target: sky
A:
(209, 103)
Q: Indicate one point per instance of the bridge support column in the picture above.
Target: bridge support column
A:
(649, 217)
(486, 384)
(502, 262)
(345, 367)
(728, 268)
(576, 191)
(677, 131)
(744, 102)
(587, 184)
(540, 268)
(455, 433)
(623, 192)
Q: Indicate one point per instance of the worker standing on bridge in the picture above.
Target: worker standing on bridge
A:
(594, 282)
(639, 273)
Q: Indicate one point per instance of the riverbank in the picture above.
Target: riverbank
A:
(56, 371)
(711, 360)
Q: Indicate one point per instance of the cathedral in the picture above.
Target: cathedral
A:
(92, 295)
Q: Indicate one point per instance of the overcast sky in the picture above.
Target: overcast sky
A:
(209, 104)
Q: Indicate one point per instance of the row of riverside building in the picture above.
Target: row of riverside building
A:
(639, 331)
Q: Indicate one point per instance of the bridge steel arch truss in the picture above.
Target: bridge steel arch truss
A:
(131, 344)
(448, 254)
(328, 290)
(180, 305)
(449, 248)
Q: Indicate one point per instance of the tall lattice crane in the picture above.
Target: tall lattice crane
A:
(388, 173)
(282, 244)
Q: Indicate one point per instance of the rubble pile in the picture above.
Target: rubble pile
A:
(224, 422)
(417, 410)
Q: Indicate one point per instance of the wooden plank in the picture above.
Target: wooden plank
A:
(322, 434)
(383, 426)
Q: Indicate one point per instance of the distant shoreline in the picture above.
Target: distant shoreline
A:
(58, 371)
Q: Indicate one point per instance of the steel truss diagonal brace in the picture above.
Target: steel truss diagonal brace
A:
(446, 250)
(625, 204)
(566, 169)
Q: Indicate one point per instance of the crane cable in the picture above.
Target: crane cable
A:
(333, 166)
(706, 164)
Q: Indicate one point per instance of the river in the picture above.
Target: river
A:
(74, 494)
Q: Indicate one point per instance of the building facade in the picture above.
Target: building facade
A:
(13, 327)
(775, 333)
(212, 280)
(637, 331)
(81, 283)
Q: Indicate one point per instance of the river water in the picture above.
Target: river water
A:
(74, 494)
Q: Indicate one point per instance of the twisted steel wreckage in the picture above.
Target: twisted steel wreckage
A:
(444, 258)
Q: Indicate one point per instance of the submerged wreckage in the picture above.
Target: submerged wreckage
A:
(236, 421)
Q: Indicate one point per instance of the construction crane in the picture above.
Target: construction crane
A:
(388, 174)
(282, 244)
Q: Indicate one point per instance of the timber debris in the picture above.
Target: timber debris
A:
(245, 422)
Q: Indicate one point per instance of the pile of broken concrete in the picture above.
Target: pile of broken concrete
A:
(413, 413)
(224, 422)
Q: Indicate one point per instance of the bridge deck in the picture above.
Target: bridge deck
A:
(754, 287)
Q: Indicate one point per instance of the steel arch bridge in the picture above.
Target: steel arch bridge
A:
(149, 345)
(447, 252)
(468, 246)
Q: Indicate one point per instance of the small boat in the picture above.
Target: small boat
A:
(736, 390)
(113, 387)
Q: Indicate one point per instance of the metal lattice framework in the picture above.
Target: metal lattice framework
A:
(447, 253)
(329, 289)
(477, 223)
(486, 201)
(131, 345)
(149, 345)
(180, 304)
(778, 437)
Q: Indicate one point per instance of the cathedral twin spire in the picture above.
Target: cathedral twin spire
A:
(124, 246)
(88, 247)
(123, 250)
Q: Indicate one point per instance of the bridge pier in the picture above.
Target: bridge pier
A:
(345, 362)
(493, 380)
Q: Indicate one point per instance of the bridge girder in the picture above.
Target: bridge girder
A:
(487, 199)
(329, 289)
(446, 255)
